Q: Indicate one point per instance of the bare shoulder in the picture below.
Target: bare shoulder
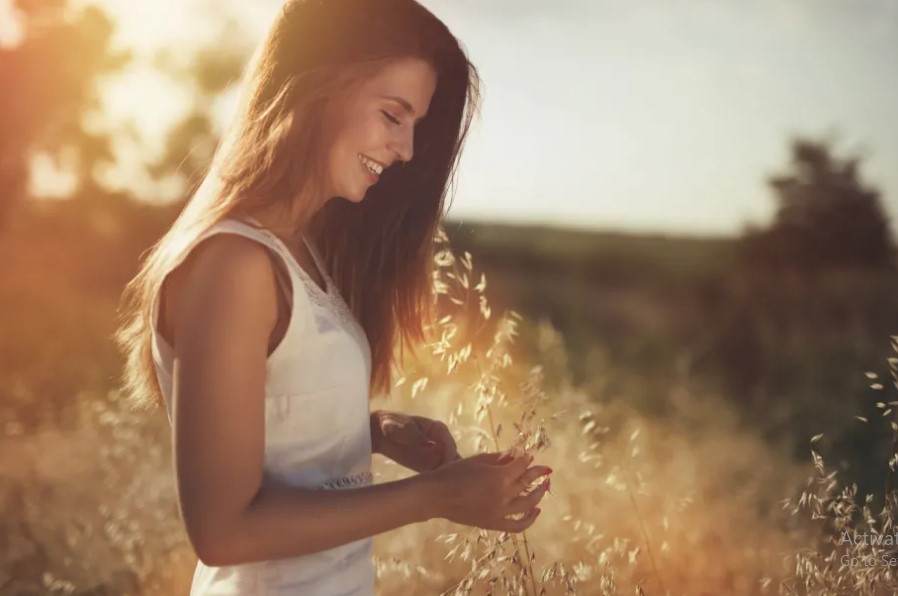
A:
(228, 280)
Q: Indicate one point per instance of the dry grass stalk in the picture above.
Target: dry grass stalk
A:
(463, 348)
(857, 551)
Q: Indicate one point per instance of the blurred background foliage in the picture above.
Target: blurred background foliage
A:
(783, 320)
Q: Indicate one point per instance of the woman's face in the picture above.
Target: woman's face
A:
(373, 127)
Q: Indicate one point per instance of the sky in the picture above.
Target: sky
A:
(652, 116)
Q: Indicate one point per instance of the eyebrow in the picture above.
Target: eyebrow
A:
(405, 105)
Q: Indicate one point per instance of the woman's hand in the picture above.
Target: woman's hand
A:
(416, 442)
(483, 490)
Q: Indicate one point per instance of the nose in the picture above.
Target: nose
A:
(403, 143)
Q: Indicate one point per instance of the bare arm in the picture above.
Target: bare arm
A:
(287, 521)
(224, 308)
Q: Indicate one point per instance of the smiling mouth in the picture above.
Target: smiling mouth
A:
(371, 175)
(371, 165)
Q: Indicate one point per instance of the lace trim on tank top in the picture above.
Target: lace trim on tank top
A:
(329, 298)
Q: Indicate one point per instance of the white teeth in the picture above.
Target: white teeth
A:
(373, 167)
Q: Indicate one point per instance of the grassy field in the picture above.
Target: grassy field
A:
(675, 394)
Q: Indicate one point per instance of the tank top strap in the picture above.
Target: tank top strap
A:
(328, 299)
(319, 264)
(318, 295)
(293, 285)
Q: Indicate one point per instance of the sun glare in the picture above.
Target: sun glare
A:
(10, 29)
(141, 96)
(146, 26)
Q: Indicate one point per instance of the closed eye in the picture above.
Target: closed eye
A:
(389, 117)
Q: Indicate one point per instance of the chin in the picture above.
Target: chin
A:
(353, 197)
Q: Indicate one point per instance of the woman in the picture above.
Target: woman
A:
(269, 313)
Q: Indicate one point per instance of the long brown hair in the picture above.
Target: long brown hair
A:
(379, 252)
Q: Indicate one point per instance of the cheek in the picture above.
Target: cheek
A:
(340, 151)
(354, 136)
(369, 135)
(346, 144)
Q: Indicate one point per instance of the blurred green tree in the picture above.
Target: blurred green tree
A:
(208, 73)
(826, 216)
(51, 86)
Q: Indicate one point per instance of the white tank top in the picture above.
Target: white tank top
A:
(317, 432)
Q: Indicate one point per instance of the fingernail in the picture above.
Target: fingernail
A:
(550, 470)
(430, 443)
(538, 511)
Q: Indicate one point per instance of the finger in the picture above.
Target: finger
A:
(493, 457)
(525, 503)
(517, 466)
(531, 475)
(504, 457)
(427, 434)
(507, 460)
(399, 428)
(519, 525)
(484, 458)
(410, 434)
(444, 437)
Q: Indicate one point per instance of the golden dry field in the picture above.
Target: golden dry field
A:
(666, 481)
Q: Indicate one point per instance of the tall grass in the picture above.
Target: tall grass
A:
(634, 499)
(857, 545)
(685, 500)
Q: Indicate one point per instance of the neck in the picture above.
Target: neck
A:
(283, 224)
(288, 219)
